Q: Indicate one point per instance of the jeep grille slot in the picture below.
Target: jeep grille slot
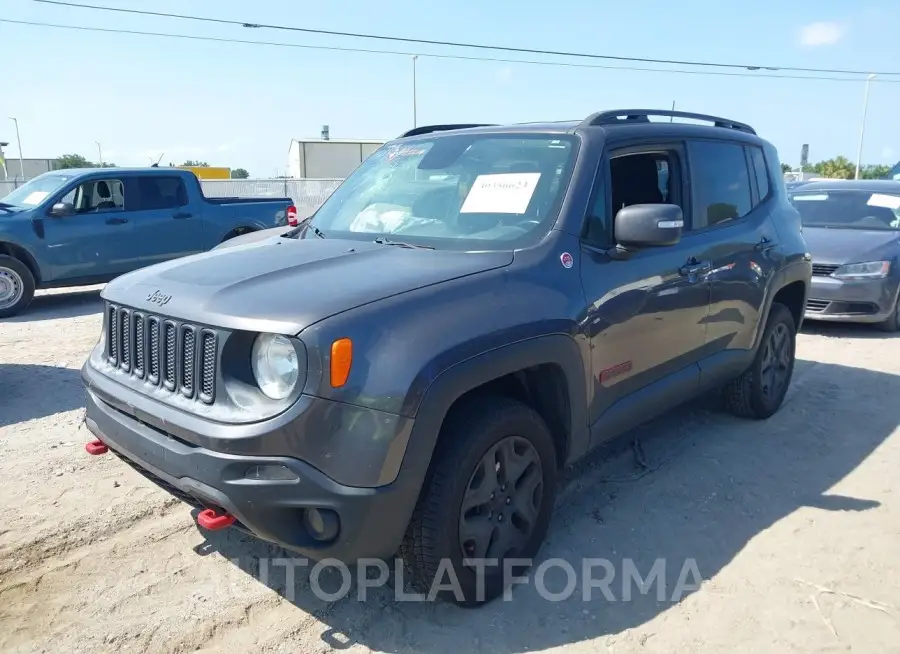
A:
(163, 353)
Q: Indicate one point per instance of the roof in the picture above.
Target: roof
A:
(622, 123)
(871, 185)
(146, 170)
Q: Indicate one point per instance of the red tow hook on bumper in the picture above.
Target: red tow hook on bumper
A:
(209, 519)
(96, 448)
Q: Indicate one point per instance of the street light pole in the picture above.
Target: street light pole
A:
(862, 131)
(415, 117)
(19, 144)
(99, 153)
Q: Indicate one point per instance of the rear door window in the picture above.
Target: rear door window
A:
(159, 192)
(721, 181)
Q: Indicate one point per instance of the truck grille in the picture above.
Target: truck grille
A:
(179, 357)
(823, 269)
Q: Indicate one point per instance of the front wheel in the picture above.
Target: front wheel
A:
(759, 392)
(16, 286)
(487, 501)
(892, 324)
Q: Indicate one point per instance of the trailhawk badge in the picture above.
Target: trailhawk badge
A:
(566, 260)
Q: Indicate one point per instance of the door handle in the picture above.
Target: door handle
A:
(181, 215)
(765, 244)
(116, 221)
(694, 267)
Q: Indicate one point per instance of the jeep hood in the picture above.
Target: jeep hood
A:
(284, 285)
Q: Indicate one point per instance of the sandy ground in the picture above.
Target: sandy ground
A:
(794, 525)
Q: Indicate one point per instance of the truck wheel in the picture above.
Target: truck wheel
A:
(488, 497)
(16, 286)
(759, 392)
(892, 324)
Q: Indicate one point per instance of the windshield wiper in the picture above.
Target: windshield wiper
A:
(315, 230)
(383, 241)
(7, 207)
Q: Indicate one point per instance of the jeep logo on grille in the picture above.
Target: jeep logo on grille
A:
(159, 299)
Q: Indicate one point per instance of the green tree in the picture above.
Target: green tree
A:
(195, 164)
(874, 171)
(838, 168)
(73, 161)
(239, 173)
(786, 168)
(77, 161)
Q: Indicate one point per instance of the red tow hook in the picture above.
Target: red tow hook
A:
(209, 519)
(96, 448)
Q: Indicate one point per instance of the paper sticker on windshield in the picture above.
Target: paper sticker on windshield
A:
(886, 201)
(35, 197)
(501, 193)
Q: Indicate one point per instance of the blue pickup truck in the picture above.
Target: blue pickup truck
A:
(80, 227)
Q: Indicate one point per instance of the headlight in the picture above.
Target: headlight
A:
(867, 270)
(275, 365)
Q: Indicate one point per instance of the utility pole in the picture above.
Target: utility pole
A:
(19, 143)
(99, 153)
(862, 131)
(415, 117)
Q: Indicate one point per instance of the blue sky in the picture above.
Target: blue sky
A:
(239, 105)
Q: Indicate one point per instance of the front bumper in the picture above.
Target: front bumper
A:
(865, 301)
(371, 521)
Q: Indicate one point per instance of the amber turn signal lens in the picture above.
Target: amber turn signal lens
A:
(341, 360)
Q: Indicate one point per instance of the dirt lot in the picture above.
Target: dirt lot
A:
(794, 525)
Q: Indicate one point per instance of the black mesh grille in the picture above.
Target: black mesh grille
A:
(188, 352)
(208, 380)
(125, 335)
(164, 351)
(113, 326)
(170, 346)
(139, 345)
(153, 346)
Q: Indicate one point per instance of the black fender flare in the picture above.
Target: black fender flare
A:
(795, 272)
(456, 380)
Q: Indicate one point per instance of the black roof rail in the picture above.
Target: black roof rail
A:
(428, 129)
(622, 116)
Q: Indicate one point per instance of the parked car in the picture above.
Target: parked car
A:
(853, 231)
(79, 227)
(471, 310)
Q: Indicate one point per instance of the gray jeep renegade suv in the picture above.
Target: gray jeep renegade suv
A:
(473, 309)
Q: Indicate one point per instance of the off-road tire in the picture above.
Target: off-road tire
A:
(22, 275)
(469, 432)
(745, 396)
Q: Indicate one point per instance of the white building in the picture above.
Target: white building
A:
(327, 158)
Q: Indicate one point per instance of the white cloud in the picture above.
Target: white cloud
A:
(504, 74)
(821, 33)
(888, 153)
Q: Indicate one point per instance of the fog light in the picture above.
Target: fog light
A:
(270, 472)
(322, 524)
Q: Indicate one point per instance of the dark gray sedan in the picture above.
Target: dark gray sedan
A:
(852, 229)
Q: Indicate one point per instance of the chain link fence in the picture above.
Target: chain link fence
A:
(307, 194)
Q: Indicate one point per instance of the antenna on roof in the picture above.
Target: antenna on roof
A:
(156, 165)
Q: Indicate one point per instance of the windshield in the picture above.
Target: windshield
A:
(454, 191)
(35, 191)
(850, 209)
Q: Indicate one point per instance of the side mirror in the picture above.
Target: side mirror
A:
(62, 209)
(649, 225)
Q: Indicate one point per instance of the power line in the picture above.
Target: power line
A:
(457, 44)
(530, 62)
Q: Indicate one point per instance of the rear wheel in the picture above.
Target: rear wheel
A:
(16, 286)
(759, 392)
(487, 500)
